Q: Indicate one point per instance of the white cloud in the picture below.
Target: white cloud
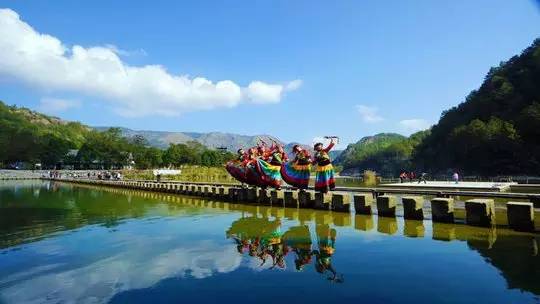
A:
(56, 105)
(44, 61)
(260, 92)
(413, 125)
(369, 114)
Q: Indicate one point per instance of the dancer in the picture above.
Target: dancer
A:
(296, 172)
(269, 166)
(237, 168)
(324, 178)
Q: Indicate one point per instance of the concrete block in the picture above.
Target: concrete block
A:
(363, 203)
(386, 205)
(480, 212)
(251, 195)
(277, 198)
(306, 199)
(323, 201)
(263, 197)
(520, 216)
(291, 199)
(341, 202)
(442, 210)
(412, 207)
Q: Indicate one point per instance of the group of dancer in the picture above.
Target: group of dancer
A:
(264, 166)
(262, 239)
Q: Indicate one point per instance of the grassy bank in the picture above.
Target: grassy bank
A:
(189, 174)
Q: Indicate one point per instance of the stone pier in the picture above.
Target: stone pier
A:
(341, 202)
(306, 199)
(386, 205)
(442, 210)
(412, 207)
(277, 198)
(520, 216)
(323, 201)
(480, 212)
(291, 199)
(363, 203)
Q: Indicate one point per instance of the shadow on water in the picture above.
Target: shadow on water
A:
(270, 238)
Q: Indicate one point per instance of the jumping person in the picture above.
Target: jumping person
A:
(324, 178)
(296, 172)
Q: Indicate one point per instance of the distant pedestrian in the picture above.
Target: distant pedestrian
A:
(402, 177)
(455, 177)
(422, 178)
(412, 176)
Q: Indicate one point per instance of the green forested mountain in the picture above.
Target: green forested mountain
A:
(29, 137)
(496, 130)
(386, 153)
(26, 135)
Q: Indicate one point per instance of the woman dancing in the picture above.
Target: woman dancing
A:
(269, 166)
(324, 178)
(237, 168)
(296, 172)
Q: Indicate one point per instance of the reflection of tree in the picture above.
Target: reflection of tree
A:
(516, 256)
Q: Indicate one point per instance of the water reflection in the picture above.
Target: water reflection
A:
(121, 240)
(262, 239)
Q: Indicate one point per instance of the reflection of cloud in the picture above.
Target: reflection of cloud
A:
(132, 269)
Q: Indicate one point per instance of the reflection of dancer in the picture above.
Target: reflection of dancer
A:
(324, 179)
(260, 237)
(299, 240)
(296, 172)
(326, 240)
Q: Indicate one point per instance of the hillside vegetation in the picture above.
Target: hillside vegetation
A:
(496, 130)
(385, 153)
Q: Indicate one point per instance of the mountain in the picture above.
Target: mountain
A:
(496, 130)
(162, 139)
(26, 135)
(385, 153)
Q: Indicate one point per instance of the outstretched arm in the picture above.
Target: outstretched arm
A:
(330, 146)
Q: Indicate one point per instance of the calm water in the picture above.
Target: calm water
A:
(61, 243)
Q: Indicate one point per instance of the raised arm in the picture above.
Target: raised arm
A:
(330, 146)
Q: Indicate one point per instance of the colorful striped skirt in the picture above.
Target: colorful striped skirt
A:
(237, 170)
(296, 175)
(253, 174)
(324, 178)
(270, 174)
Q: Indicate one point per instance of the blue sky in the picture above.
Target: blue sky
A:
(293, 69)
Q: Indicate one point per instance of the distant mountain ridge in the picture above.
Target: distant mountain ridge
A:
(231, 141)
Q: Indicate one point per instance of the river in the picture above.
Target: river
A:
(62, 243)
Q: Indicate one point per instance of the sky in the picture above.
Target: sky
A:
(297, 70)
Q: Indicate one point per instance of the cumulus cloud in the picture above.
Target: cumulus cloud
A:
(43, 60)
(369, 114)
(57, 105)
(414, 125)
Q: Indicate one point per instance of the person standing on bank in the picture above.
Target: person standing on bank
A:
(324, 178)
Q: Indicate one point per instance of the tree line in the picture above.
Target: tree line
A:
(32, 138)
(495, 131)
